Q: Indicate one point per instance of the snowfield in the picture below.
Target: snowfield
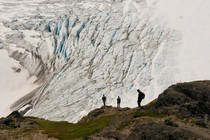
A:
(71, 53)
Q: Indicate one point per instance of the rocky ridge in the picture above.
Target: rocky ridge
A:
(180, 112)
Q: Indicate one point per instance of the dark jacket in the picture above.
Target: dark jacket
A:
(118, 100)
(141, 95)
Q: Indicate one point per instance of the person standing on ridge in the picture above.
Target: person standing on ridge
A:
(118, 101)
(141, 96)
(104, 100)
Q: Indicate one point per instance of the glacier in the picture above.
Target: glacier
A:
(70, 53)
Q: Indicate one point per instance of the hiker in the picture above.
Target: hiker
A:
(140, 97)
(104, 100)
(118, 101)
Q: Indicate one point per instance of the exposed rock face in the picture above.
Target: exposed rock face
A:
(187, 99)
(160, 131)
(13, 120)
(16, 120)
(126, 126)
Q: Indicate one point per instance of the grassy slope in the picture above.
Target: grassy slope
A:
(65, 131)
(110, 120)
(61, 130)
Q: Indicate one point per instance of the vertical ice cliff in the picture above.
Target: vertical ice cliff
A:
(109, 48)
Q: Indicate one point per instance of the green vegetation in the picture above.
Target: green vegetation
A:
(61, 130)
(151, 104)
(65, 131)
(154, 114)
(125, 124)
(15, 133)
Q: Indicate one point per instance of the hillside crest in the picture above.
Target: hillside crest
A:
(181, 111)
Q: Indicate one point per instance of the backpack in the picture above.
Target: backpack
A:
(142, 95)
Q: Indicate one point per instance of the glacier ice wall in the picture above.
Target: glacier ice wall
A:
(109, 48)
